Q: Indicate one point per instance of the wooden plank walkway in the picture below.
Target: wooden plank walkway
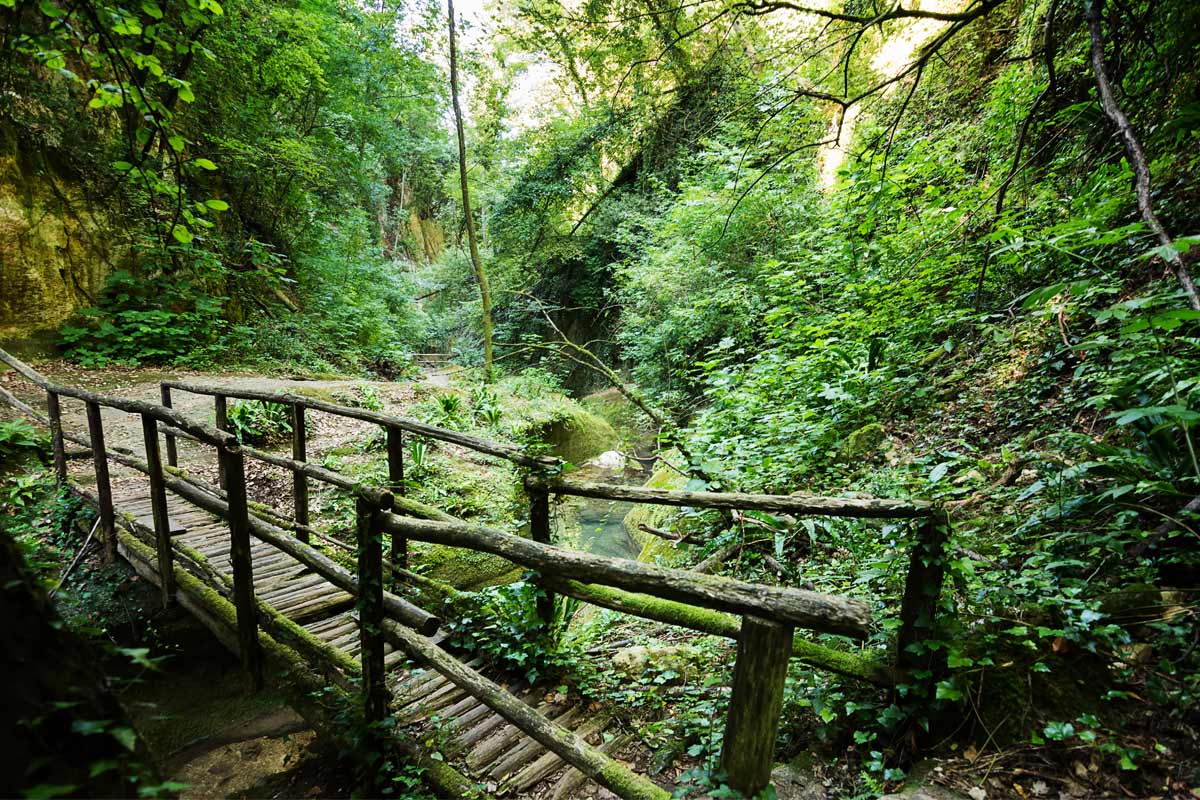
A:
(475, 739)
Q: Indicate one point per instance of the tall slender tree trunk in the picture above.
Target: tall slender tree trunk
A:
(485, 293)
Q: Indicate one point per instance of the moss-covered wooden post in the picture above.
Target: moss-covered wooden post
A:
(748, 753)
(172, 452)
(234, 467)
(158, 505)
(922, 592)
(395, 456)
(108, 529)
(539, 531)
(54, 414)
(299, 480)
(221, 408)
(370, 611)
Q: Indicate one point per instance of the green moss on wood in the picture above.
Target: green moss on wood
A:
(629, 785)
(719, 623)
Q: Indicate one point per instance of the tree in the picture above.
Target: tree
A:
(485, 293)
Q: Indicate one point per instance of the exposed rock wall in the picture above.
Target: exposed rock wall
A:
(57, 246)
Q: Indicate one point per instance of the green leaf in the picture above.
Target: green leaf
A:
(1057, 731)
(204, 163)
(152, 9)
(182, 234)
(176, 143)
(217, 205)
(946, 690)
(126, 737)
(1176, 412)
(122, 166)
(87, 727)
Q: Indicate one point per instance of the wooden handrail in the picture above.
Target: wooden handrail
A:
(379, 498)
(798, 505)
(204, 433)
(798, 607)
(397, 607)
(510, 452)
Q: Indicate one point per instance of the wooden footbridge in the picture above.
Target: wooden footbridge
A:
(251, 574)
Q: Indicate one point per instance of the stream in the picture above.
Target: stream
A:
(602, 522)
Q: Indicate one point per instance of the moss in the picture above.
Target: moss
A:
(720, 623)
(655, 549)
(576, 435)
(463, 569)
(628, 784)
(862, 443)
(630, 422)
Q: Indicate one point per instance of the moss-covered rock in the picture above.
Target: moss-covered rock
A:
(655, 549)
(576, 435)
(862, 443)
(463, 569)
(57, 247)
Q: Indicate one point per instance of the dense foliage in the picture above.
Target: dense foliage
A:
(265, 158)
(858, 248)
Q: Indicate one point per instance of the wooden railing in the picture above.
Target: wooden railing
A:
(762, 618)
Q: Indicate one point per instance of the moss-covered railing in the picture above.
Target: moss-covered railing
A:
(762, 618)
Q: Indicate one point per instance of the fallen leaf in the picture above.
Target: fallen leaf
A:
(975, 793)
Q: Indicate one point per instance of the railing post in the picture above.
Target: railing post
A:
(922, 592)
(299, 480)
(158, 503)
(172, 454)
(370, 611)
(108, 530)
(243, 566)
(395, 454)
(748, 753)
(539, 531)
(54, 414)
(222, 411)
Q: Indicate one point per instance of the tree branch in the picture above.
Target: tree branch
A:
(1137, 155)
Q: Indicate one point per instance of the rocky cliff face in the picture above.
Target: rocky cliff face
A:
(57, 246)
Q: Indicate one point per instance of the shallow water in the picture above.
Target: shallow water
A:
(601, 522)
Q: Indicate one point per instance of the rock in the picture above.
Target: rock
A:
(609, 459)
(576, 435)
(862, 444)
(57, 247)
(636, 661)
(656, 549)
(794, 782)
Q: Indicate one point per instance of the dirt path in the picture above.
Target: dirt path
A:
(326, 433)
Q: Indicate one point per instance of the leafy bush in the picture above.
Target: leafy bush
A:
(143, 320)
(501, 623)
(258, 422)
(18, 437)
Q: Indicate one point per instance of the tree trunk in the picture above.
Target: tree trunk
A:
(485, 293)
